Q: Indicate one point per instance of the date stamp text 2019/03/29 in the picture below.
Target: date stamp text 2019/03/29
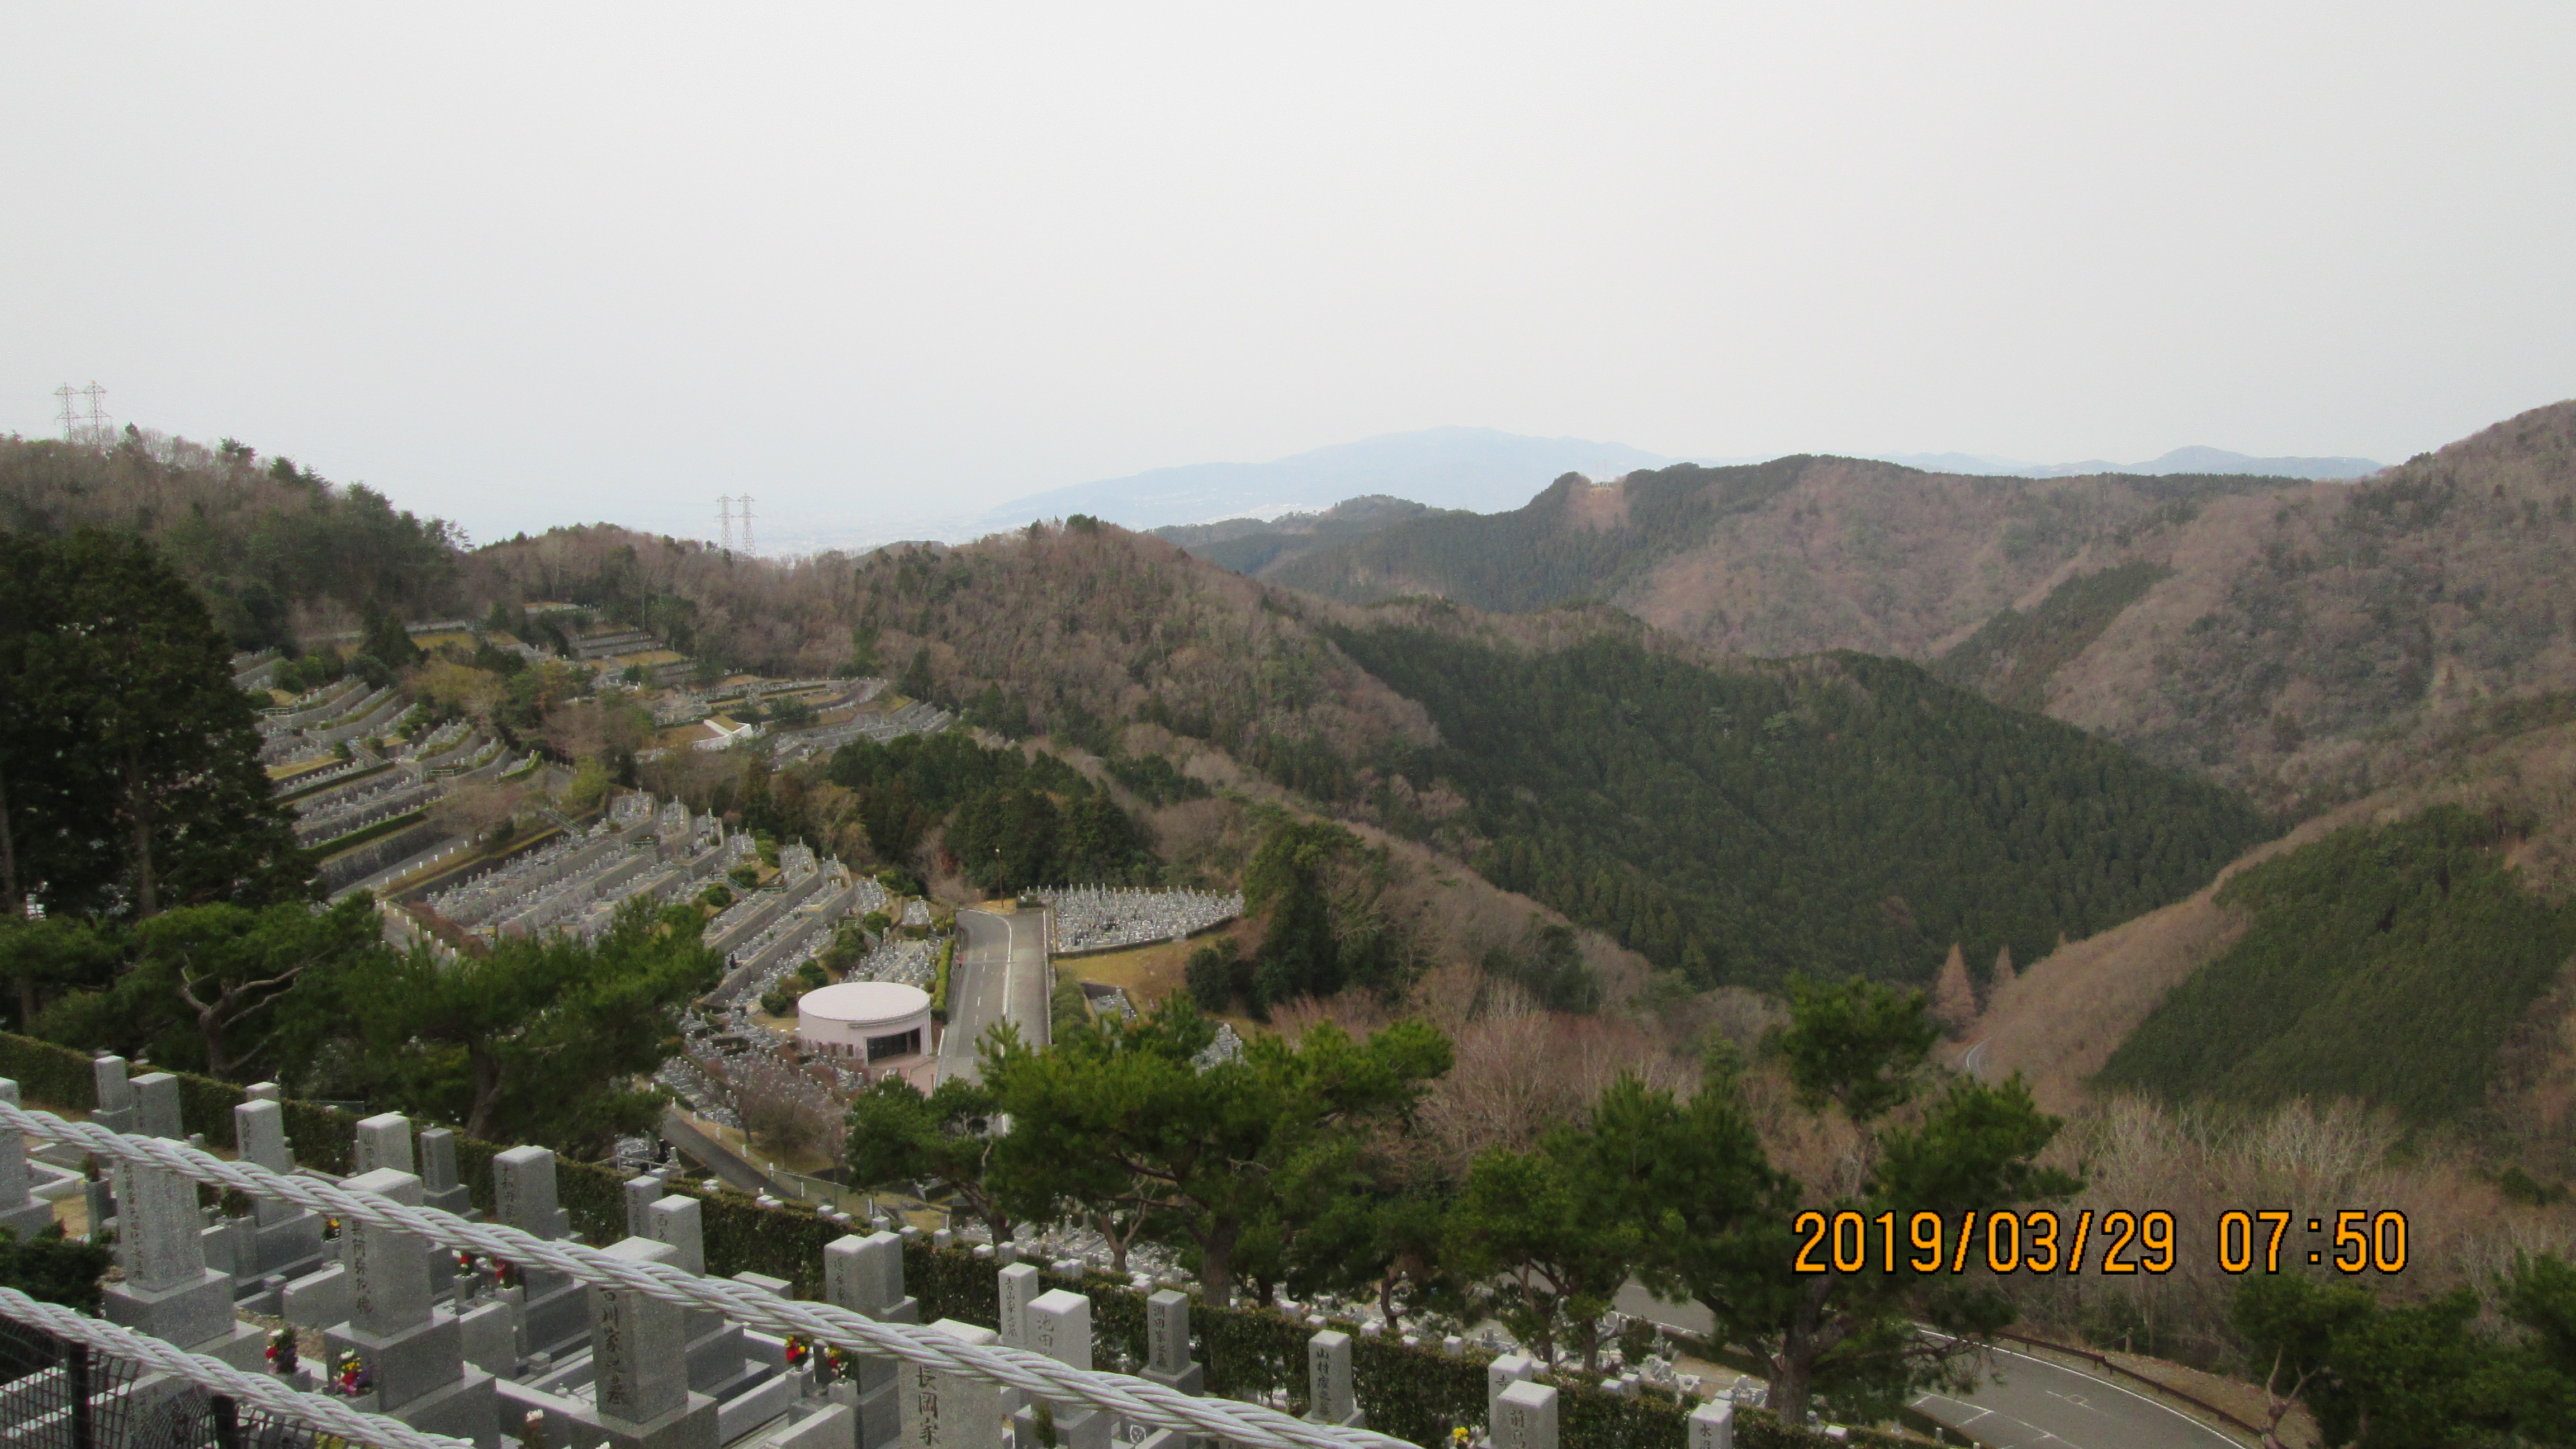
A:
(2043, 1240)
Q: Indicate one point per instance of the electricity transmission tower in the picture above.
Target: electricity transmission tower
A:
(724, 518)
(747, 546)
(82, 419)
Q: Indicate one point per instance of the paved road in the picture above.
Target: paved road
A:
(2024, 1402)
(1000, 973)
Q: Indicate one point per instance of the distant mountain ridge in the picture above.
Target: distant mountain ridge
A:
(1481, 469)
(2195, 459)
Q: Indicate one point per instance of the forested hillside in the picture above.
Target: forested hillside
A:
(2383, 963)
(1831, 815)
(1253, 545)
(274, 548)
(1793, 556)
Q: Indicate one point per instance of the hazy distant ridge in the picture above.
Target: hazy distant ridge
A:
(2180, 460)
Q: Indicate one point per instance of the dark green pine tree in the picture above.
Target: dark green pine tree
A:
(135, 756)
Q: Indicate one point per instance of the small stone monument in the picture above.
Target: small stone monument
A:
(1019, 1287)
(716, 1365)
(554, 1316)
(865, 1275)
(1329, 1395)
(943, 1410)
(168, 1291)
(1525, 1417)
(1501, 1374)
(439, 1185)
(1057, 1323)
(410, 1343)
(640, 1194)
(20, 1209)
(1712, 1426)
(384, 1144)
(635, 1339)
(157, 1100)
(1167, 1343)
(115, 1110)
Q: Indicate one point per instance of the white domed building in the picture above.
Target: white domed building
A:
(875, 1024)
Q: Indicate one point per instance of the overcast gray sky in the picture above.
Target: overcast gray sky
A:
(522, 265)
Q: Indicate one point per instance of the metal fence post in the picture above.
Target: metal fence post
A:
(76, 1388)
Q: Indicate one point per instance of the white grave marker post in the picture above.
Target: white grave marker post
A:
(943, 1410)
(1712, 1426)
(1525, 1417)
(1329, 1395)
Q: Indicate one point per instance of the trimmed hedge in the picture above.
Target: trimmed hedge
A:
(1414, 1393)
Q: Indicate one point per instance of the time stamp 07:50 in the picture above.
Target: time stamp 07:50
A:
(2119, 1241)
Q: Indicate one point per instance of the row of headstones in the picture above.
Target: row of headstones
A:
(437, 1366)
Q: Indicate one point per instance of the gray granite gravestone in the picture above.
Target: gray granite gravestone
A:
(640, 1194)
(865, 1275)
(943, 1410)
(439, 1185)
(20, 1209)
(384, 1143)
(1501, 1374)
(1329, 1397)
(636, 1340)
(168, 1290)
(554, 1317)
(1167, 1343)
(156, 1098)
(1712, 1426)
(409, 1342)
(716, 1366)
(1525, 1417)
(1019, 1285)
(288, 1239)
(1058, 1324)
(115, 1110)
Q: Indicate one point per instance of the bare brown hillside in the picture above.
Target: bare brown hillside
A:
(2311, 644)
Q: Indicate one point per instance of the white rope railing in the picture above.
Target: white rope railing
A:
(1231, 1419)
(216, 1376)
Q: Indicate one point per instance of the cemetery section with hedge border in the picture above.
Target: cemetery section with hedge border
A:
(1414, 1393)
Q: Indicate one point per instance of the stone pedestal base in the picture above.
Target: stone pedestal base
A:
(1191, 1381)
(28, 1219)
(556, 1315)
(878, 1414)
(408, 1365)
(317, 1300)
(191, 1313)
(1074, 1429)
(465, 1409)
(691, 1426)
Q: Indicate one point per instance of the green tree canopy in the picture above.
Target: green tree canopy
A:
(129, 764)
(1221, 1147)
(536, 1041)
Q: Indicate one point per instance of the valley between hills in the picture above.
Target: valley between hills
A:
(2236, 816)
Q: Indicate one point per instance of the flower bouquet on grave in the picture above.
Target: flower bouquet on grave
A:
(799, 1351)
(836, 1363)
(281, 1354)
(504, 1274)
(351, 1375)
(330, 1229)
